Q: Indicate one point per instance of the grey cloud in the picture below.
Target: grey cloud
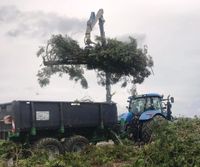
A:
(174, 42)
(139, 37)
(37, 23)
(8, 14)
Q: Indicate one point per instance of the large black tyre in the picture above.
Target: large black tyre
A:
(148, 128)
(51, 145)
(75, 143)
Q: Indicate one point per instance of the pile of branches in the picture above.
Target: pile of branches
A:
(125, 61)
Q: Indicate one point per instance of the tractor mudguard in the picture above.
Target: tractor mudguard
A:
(126, 117)
(150, 114)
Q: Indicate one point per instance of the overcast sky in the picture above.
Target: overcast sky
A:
(170, 28)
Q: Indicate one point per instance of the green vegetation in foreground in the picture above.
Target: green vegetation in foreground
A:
(177, 144)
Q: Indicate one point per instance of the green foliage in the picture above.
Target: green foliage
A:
(177, 144)
(8, 149)
(124, 60)
(75, 73)
(61, 48)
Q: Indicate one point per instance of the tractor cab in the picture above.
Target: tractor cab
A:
(142, 110)
(146, 106)
(142, 103)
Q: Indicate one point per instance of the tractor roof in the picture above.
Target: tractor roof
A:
(147, 95)
(153, 94)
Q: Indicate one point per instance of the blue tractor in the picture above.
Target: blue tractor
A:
(136, 124)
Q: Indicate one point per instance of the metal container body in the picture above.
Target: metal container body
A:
(53, 115)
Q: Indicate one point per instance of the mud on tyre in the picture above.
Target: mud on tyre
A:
(51, 145)
(75, 143)
(149, 127)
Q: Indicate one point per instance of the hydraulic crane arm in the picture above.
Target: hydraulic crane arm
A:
(91, 23)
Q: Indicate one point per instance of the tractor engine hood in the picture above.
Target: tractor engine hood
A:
(149, 114)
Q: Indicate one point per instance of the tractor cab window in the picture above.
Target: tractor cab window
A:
(153, 103)
(137, 105)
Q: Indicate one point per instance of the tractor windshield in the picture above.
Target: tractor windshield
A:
(153, 103)
(137, 105)
(142, 104)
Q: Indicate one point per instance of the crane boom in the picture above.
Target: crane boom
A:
(91, 23)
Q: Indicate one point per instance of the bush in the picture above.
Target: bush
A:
(177, 144)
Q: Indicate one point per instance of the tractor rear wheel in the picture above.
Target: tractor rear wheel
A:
(75, 143)
(148, 128)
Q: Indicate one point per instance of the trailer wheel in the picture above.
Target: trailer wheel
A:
(147, 130)
(51, 145)
(75, 144)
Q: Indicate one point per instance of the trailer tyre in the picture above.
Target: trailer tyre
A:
(51, 145)
(75, 144)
